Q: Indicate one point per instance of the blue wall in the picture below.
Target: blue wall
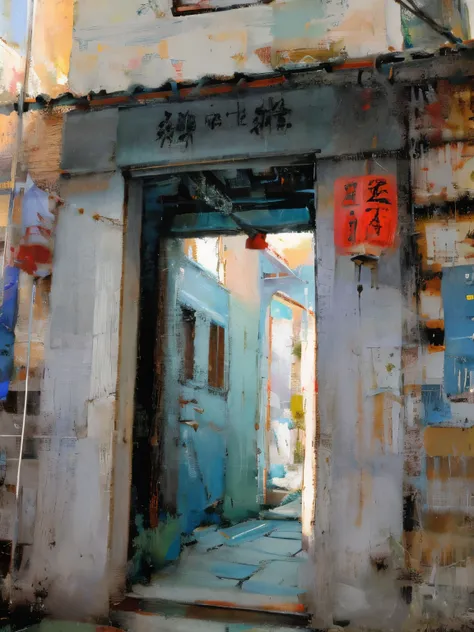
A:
(457, 288)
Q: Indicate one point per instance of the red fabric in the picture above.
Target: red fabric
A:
(29, 256)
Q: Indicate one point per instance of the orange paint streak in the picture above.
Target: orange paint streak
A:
(449, 441)
(440, 523)
(218, 89)
(378, 429)
(52, 44)
(163, 49)
(434, 324)
(365, 493)
(362, 63)
(443, 470)
(433, 349)
(469, 467)
(280, 607)
(430, 465)
(210, 90)
(432, 286)
(262, 83)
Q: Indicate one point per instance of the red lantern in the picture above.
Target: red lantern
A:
(365, 214)
(257, 242)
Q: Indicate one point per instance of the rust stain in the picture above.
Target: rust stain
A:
(378, 429)
(239, 59)
(444, 468)
(430, 547)
(455, 523)
(469, 467)
(438, 523)
(457, 466)
(430, 467)
(154, 510)
(264, 54)
(365, 493)
(436, 349)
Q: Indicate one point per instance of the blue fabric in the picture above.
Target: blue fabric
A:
(8, 316)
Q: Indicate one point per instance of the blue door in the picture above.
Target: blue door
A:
(196, 383)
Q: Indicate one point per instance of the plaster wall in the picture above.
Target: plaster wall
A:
(67, 558)
(120, 44)
(361, 421)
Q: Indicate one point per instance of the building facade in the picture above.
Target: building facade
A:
(157, 92)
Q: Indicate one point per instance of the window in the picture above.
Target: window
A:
(216, 377)
(208, 253)
(181, 7)
(188, 329)
(15, 402)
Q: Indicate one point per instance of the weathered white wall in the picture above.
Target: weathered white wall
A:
(118, 44)
(359, 364)
(68, 557)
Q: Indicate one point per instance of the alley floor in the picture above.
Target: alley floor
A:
(254, 565)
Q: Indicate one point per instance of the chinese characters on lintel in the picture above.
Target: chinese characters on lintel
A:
(271, 115)
(240, 116)
(182, 131)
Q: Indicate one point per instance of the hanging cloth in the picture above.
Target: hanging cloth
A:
(34, 255)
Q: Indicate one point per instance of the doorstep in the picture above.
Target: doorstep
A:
(149, 615)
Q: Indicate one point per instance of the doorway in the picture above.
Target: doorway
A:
(221, 498)
(290, 326)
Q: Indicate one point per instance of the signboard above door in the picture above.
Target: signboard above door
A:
(320, 120)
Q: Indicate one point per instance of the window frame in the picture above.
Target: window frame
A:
(220, 385)
(179, 9)
(186, 311)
